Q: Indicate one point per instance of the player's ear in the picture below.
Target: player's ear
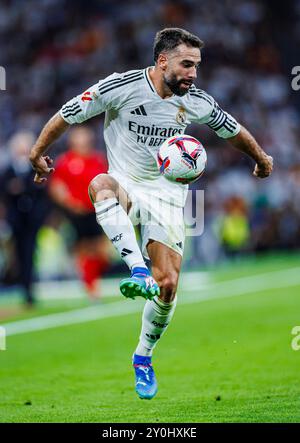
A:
(162, 61)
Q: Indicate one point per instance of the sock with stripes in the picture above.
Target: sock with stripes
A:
(117, 226)
(156, 318)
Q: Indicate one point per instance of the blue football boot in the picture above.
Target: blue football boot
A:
(145, 380)
(140, 283)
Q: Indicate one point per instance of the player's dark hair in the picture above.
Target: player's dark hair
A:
(169, 38)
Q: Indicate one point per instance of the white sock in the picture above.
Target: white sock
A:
(156, 317)
(117, 226)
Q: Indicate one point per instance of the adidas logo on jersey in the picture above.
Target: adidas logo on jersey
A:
(139, 111)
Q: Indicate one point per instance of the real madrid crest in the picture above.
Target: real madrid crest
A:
(181, 116)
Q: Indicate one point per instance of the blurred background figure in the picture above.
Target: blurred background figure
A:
(25, 208)
(234, 227)
(68, 188)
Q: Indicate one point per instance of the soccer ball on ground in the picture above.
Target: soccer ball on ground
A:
(182, 159)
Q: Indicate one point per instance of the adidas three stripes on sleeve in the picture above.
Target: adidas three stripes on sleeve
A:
(105, 94)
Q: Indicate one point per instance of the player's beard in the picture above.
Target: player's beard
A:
(174, 85)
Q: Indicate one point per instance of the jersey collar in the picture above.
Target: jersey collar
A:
(152, 87)
(148, 79)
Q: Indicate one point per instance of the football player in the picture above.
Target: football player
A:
(142, 108)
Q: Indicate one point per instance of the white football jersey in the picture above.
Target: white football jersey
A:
(138, 121)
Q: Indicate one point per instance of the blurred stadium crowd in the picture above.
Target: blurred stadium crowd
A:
(54, 49)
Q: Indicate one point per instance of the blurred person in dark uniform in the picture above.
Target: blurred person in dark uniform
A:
(68, 189)
(26, 207)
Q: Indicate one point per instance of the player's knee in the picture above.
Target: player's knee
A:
(99, 183)
(168, 283)
(101, 187)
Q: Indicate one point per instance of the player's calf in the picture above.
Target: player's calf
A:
(158, 314)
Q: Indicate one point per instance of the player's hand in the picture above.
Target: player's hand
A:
(42, 167)
(264, 168)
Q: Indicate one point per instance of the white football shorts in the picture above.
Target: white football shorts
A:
(161, 219)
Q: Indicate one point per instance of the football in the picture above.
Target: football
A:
(182, 159)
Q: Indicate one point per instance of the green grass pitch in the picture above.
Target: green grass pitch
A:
(222, 360)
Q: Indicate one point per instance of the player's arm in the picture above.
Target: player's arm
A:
(246, 143)
(95, 100)
(77, 110)
(40, 163)
(226, 126)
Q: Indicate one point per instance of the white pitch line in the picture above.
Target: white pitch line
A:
(75, 316)
(246, 285)
(229, 288)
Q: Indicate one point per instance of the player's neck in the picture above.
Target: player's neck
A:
(162, 90)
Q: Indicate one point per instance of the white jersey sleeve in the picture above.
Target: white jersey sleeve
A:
(108, 93)
(211, 114)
